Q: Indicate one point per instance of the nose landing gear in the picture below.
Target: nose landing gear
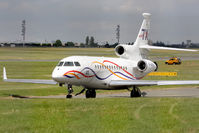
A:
(70, 91)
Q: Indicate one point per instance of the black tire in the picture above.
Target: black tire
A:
(69, 96)
(136, 92)
(93, 93)
(132, 93)
(88, 94)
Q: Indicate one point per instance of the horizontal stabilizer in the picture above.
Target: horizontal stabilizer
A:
(165, 48)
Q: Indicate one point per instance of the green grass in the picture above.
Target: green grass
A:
(59, 53)
(51, 53)
(114, 115)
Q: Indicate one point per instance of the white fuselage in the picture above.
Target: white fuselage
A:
(95, 72)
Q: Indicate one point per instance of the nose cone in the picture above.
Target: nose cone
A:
(55, 74)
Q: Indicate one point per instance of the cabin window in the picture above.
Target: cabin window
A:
(68, 64)
(77, 64)
(60, 63)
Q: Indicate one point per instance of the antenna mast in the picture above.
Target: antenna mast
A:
(23, 31)
(118, 34)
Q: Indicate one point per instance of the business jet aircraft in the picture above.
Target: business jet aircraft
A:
(109, 73)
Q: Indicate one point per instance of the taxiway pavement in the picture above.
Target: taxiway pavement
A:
(170, 92)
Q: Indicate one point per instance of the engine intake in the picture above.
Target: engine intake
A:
(142, 65)
(119, 50)
(146, 66)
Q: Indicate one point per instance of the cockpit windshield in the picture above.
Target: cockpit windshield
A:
(68, 64)
(77, 64)
(60, 63)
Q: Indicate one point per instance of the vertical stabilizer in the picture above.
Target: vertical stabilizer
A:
(142, 37)
(137, 51)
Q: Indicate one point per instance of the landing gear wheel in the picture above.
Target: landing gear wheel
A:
(90, 93)
(69, 96)
(93, 94)
(70, 91)
(135, 92)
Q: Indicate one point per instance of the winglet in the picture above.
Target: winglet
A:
(4, 74)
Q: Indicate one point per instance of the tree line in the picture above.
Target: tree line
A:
(89, 42)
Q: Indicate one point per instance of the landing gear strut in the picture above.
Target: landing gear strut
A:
(90, 93)
(135, 92)
(70, 90)
(82, 91)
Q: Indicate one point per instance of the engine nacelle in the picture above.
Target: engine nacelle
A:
(146, 66)
(124, 51)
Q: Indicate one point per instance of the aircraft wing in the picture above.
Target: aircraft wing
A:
(119, 83)
(38, 81)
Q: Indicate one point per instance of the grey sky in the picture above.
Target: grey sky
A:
(72, 20)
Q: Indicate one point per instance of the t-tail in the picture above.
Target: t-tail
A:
(134, 52)
(139, 50)
(142, 38)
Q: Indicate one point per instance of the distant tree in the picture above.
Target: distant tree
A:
(58, 43)
(35, 44)
(92, 42)
(70, 44)
(183, 44)
(159, 44)
(107, 45)
(46, 45)
(87, 41)
(82, 45)
(114, 45)
(162, 44)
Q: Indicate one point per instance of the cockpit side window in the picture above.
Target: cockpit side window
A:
(60, 63)
(68, 64)
(77, 64)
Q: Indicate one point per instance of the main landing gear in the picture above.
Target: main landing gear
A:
(135, 92)
(90, 93)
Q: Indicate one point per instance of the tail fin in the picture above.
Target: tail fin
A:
(142, 37)
(134, 52)
(140, 49)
